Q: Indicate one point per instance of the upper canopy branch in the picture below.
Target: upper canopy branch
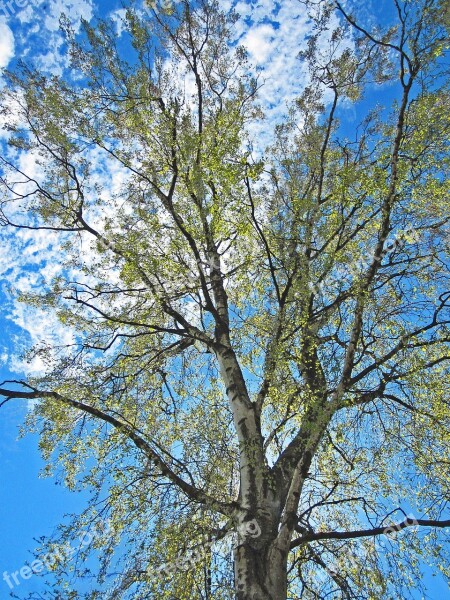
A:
(378, 42)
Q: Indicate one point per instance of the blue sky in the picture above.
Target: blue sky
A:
(31, 506)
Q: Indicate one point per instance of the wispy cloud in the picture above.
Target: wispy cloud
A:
(274, 33)
(6, 44)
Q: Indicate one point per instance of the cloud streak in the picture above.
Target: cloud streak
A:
(6, 45)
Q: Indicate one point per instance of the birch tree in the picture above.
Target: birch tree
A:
(257, 390)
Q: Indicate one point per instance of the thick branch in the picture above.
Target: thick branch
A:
(361, 533)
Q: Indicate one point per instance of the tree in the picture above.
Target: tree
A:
(260, 336)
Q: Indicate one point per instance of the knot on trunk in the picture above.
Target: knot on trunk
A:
(256, 528)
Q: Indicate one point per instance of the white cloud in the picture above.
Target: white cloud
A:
(259, 42)
(74, 9)
(46, 14)
(39, 35)
(118, 17)
(43, 329)
(4, 357)
(6, 44)
(273, 33)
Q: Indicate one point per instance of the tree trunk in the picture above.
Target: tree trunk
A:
(260, 572)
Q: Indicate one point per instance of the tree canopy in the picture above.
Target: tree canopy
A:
(259, 335)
